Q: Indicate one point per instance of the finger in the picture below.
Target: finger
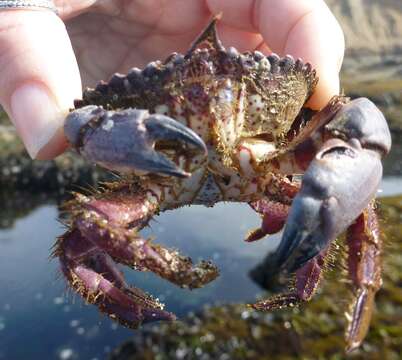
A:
(39, 78)
(72, 8)
(318, 38)
(302, 28)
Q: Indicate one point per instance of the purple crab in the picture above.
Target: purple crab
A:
(218, 125)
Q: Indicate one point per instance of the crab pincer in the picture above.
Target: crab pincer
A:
(250, 110)
(337, 193)
(132, 135)
(338, 185)
(93, 273)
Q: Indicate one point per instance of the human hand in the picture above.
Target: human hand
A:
(39, 76)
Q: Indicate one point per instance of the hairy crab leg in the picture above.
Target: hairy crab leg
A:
(348, 162)
(364, 263)
(93, 274)
(112, 222)
(306, 283)
(104, 229)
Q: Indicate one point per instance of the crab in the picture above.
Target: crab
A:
(218, 125)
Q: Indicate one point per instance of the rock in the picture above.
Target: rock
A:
(372, 65)
(372, 28)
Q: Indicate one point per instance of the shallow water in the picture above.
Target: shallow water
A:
(39, 318)
(52, 323)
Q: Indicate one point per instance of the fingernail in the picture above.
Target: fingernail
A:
(36, 116)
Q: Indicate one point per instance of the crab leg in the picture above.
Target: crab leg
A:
(102, 224)
(274, 215)
(307, 281)
(349, 162)
(274, 206)
(93, 274)
(104, 230)
(364, 262)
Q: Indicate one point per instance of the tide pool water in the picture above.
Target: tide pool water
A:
(41, 319)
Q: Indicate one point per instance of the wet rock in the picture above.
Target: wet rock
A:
(372, 65)
(372, 29)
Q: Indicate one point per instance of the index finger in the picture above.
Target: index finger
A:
(301, 28)
(39, 78)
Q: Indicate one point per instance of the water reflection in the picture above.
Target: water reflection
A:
(37, 309)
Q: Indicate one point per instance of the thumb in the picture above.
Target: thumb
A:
(39, 78)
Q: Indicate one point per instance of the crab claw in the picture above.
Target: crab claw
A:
(338, 184)
(93, 274)
(132, 135)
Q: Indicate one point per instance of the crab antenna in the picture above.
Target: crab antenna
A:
(209, 36)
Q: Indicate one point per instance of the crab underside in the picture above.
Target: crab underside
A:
(215, 125)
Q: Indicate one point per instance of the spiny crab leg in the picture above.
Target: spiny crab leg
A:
(132, 134)
(364, 263)
(307, 280)
(104, 230)
(349, 162)
(93, 274)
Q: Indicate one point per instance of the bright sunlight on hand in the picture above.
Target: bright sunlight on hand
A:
(39, 76)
